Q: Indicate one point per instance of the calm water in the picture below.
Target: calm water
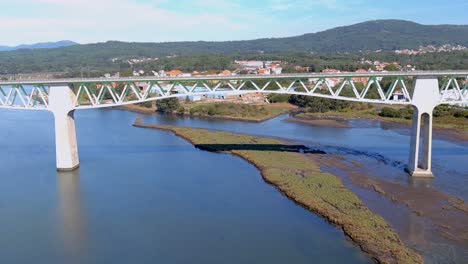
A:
(144, 196)
(384, 149)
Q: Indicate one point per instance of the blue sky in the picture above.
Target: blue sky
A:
(89, 21)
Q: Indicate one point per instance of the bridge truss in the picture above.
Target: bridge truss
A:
(422, 90)
(384, 88)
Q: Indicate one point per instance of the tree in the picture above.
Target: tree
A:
(391, 67)
(317, 104)
(168, 105)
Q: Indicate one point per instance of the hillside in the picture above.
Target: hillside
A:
(371, 35)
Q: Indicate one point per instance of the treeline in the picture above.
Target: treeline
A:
(72, 66)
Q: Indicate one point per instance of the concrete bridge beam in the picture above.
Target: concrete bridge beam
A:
(61, 100)
(425, 97)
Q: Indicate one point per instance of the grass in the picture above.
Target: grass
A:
(300, 179)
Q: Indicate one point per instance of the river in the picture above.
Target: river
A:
(145, 196)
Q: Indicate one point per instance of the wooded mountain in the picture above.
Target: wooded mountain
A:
(368, 36)
(45, 45)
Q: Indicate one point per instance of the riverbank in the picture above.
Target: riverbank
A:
(338, 119)
(441, 218)
(134, 108)
(293, 173)
(224, 111)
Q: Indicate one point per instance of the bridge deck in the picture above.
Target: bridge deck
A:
(458, 73)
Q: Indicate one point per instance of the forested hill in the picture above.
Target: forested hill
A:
(45, 45)
(371, 35)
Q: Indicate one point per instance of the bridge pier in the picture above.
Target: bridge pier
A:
(425, 97)
(61, 99)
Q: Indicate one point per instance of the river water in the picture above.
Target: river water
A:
(145, 196)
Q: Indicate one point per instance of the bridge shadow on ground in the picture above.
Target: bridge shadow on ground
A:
(259, 147)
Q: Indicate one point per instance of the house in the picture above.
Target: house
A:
(362, 80)
(250, 64)
(276, 69)
(264, 71)
(174, 73)
(332, 82)
(225, 73)
(398, 95)
(248, 98)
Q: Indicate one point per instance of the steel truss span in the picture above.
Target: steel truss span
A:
(385, 88)
(423, 90)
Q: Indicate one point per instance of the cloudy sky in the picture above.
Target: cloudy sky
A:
(89, 21)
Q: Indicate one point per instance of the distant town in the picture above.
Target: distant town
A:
(276, 67)
(432, 49)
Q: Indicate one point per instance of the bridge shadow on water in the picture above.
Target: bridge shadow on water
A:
(259, 147)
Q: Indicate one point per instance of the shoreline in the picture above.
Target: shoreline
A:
(323, 119)
(318, 122)
(150, 111)
(360, 233)
(336, 121)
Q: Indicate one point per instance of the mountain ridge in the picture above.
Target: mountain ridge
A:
(40, 45)
(385, 35)
(389, 34)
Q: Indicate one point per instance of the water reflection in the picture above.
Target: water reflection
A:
(420, 182)
(74, 233)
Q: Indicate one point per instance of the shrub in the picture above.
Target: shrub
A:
(146, 104)
(211, 110)
(192, 111)
(168, 105)
(278, 98)
(390, 112)
(461, 114)
(181, 110)
(316, 104)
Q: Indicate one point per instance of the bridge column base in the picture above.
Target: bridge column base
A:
(66, 147)
(61, 99)
(425, 98)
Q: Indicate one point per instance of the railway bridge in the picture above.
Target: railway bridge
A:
(423, 90)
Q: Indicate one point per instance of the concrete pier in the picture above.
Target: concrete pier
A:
(425, 97)
(61, 99)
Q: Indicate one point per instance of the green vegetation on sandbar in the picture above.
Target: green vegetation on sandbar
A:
(300, 178)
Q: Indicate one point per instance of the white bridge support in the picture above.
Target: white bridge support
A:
(425, 97)
(61, 100)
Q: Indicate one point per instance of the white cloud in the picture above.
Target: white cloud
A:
(90, 21)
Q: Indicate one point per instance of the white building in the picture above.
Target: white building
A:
(250, 64)
(277, 70)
